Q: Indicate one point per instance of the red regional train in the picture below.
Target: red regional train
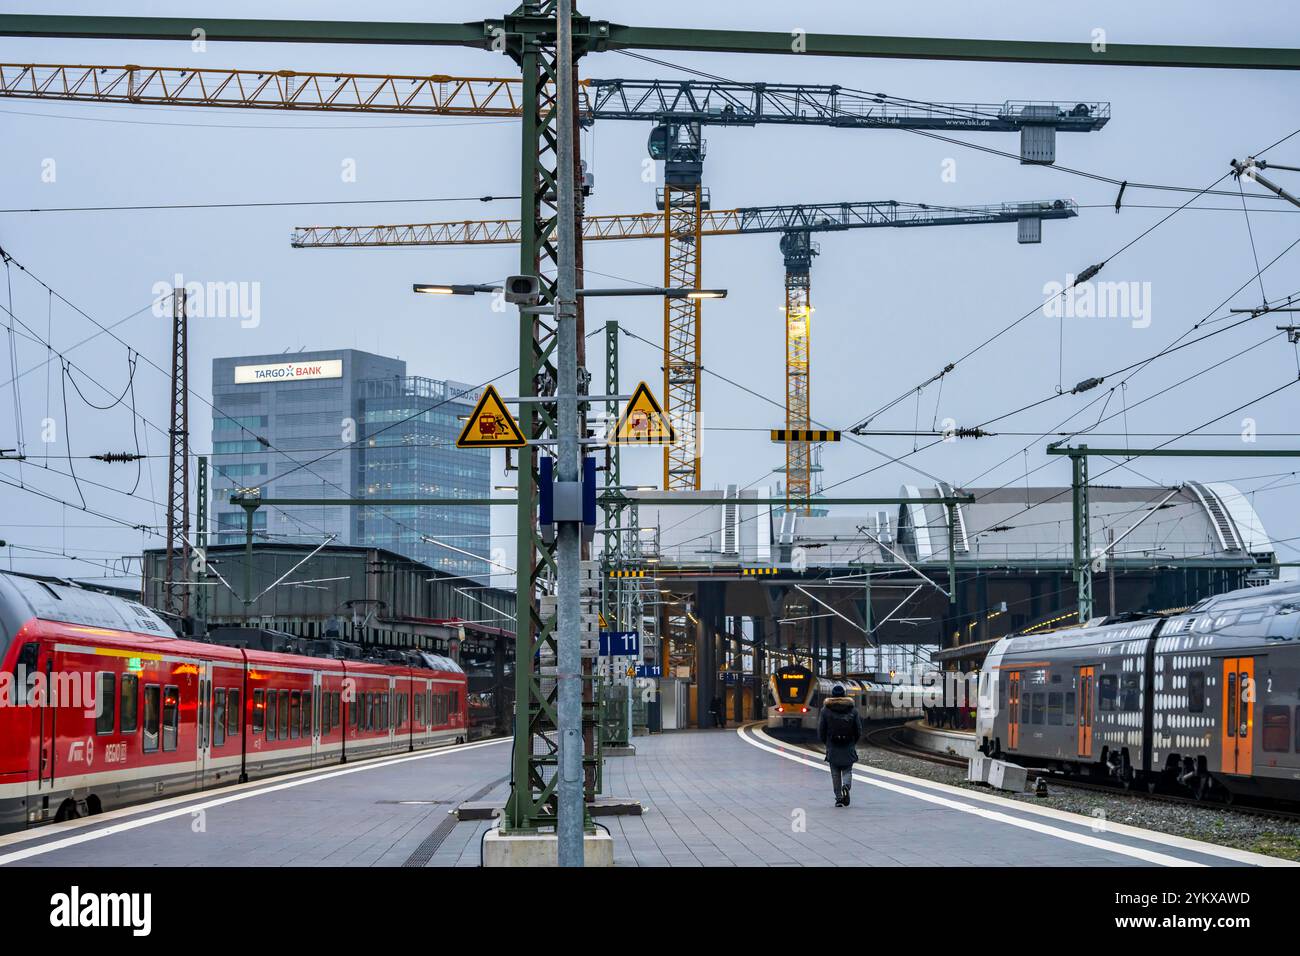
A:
(101, 706)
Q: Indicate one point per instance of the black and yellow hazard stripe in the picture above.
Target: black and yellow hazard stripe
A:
(627, 574)
(804, 434)
(749, 572)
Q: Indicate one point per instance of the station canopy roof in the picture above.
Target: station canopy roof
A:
(1202, 522)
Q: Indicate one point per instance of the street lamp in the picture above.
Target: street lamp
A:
(427, 288)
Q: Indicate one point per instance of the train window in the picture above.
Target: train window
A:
(1196, 692)
(386, 712)
(25, 670)
(152, 717)
(368, 712)
(334, 709)
(295, 713)
(203, 713)
(233, 713)
(1107, 692)
(105, 702)
(1130, 696)
(419, 708)
(454, 700)
(271, 709)
(307, 713)
(1232, 698)
(171, 714)
(219, 717)
(1036, 705)
(1069, 708)
(282, 716)
(130, 695)
(259, 711)
(1277, 729)
(1054, 709)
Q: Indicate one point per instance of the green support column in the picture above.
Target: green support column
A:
(613, 506)
(531, 805)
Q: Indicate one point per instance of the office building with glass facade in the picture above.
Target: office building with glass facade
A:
(347, 424)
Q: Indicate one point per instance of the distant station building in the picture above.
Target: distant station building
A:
(347, 424)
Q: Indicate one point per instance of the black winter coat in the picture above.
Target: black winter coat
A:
(839, 755)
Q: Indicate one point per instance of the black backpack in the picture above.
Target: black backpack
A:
(841, 728)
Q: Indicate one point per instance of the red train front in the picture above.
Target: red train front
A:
(102, 706)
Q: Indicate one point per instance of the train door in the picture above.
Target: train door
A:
(32, 663)
(428, 710)
(203, 732)
(1238, 714)
(1085, 679)
(1013, 709)
(392, 713)
(316, 704)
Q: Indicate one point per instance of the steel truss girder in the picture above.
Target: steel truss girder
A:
(727, 103)
(810, 217)
(682, 336)
(434, 95)
(176, 591)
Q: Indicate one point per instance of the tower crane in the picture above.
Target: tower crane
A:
(681, 108)
(678, 108)
(794, 223)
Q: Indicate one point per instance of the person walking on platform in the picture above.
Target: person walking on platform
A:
(839, 728)
(715, 710)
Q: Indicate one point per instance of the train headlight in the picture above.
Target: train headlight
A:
(804, 710)
(780, 710)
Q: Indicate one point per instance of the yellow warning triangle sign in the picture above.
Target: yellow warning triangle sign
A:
(643, 422)
(490, 425)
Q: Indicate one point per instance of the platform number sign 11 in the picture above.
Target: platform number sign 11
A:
(620, 644)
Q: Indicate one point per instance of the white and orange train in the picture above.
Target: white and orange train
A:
(101, 706)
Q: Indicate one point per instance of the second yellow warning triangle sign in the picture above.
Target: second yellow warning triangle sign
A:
(643, 422)
(490, 425)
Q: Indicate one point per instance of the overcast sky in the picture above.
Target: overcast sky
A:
(892, 307)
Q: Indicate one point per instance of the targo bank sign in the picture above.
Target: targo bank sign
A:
(288, 371)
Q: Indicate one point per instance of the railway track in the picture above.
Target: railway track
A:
(889, 739)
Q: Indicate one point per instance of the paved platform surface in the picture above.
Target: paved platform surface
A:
(712, 798)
